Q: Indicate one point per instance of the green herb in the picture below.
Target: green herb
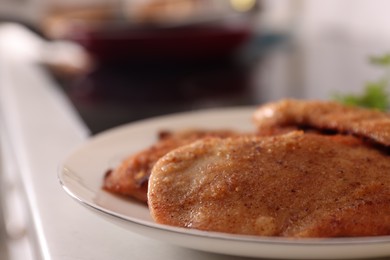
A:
(382, 61)
(375, 94)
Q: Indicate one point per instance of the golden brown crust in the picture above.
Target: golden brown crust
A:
(295, 185)
(327, 115)
(131, 177)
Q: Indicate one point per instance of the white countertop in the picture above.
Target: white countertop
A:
(42, 128)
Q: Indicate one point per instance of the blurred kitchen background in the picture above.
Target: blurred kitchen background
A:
(123, 60)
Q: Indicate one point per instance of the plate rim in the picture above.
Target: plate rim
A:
(226, 236)
(274, 241)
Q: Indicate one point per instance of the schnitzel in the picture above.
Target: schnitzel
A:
(325, 115)
(311, 169)
(131, 177)
(293, 185)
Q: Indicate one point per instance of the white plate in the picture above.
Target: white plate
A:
(82, 172)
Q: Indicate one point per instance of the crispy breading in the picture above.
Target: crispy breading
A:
(131, 177)
(294, 185)
(325, 115)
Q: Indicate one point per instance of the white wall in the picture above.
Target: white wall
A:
(338, 37)
(332, 44)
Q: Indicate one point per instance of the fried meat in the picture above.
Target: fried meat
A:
(325, 115)
(294, 185)
(131, 177)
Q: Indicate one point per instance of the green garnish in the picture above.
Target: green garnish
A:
(383, 61)
(375, 94)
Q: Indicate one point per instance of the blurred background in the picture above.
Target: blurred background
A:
(123, 60)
